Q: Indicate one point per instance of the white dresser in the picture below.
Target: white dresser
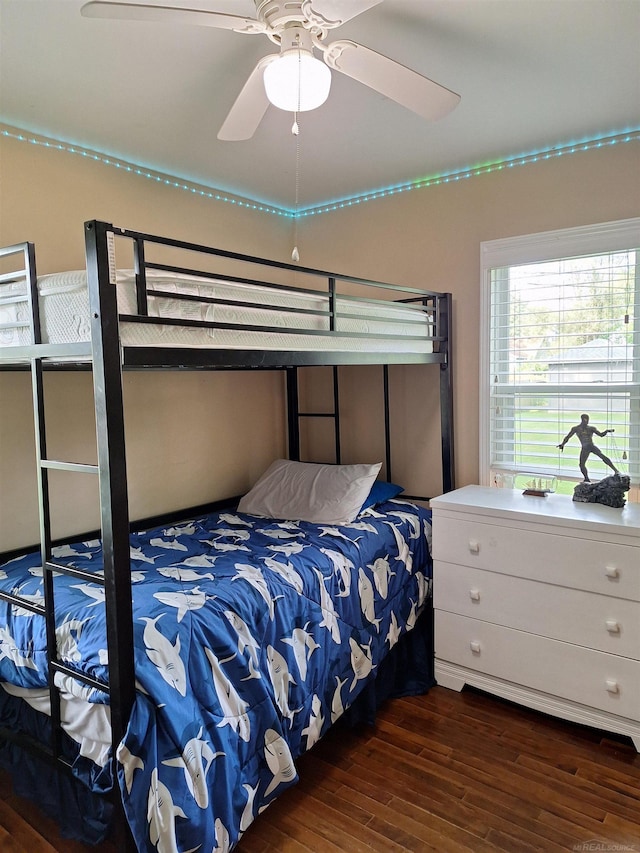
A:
(537, 600)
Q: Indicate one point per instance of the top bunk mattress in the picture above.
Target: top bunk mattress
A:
(291, 319)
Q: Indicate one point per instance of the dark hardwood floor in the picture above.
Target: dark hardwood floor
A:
(442, 772)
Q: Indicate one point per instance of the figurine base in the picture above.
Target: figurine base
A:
(609, 492)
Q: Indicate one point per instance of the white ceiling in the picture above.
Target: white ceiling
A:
(532, 74)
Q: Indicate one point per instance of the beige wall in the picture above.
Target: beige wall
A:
(430, 237)
(191, 437)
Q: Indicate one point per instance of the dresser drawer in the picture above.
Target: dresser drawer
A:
(592, 678)
(575, 616)
(567, 561)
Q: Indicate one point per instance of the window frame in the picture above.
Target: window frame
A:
(601, 238)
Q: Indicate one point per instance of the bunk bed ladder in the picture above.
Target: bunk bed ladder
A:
(50, 566)
(111, 469)
(294, 415)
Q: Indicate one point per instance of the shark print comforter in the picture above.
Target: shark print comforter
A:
(251, 638)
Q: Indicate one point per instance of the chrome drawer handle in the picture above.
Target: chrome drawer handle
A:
(612, 686)
(613, 627)
(474, 594)
(474, 546)
(612, 572)
(474, 645)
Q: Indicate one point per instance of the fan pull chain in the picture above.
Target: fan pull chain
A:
(295, 254)
(295, 130)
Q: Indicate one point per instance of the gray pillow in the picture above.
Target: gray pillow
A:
(308, 491)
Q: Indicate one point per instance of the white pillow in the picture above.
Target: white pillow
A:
(307, 491)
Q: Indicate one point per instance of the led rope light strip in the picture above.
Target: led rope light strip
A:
(141, 171)
(475, 171)
(316, 210)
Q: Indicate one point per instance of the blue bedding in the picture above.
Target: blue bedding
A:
(252, 636)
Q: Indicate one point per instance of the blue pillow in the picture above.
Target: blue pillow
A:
(381, 491)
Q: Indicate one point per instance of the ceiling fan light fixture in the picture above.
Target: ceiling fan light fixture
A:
(296, 81)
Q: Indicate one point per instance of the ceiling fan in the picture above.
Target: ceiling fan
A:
(297, 27)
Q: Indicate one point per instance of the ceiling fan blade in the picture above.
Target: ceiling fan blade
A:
(170, 15)
(395, 81)
(337, 12)
(249, 107)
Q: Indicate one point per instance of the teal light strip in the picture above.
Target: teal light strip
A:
(340, 204)
(475, 171)
(150, 174)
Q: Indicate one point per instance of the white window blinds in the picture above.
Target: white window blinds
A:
(561, 338)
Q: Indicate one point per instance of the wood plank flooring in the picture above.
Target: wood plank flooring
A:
(442, 772)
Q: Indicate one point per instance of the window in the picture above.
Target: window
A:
(560, 338)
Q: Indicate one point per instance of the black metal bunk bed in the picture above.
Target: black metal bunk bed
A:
(108, 357)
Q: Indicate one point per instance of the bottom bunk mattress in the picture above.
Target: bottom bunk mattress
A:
(252, 636)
